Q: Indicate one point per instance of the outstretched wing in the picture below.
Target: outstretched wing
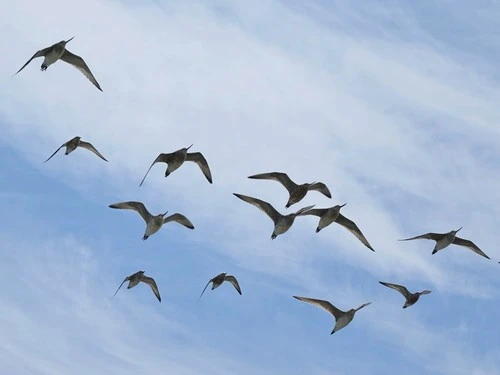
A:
(179, 218)
(150, 281)
(204, 289)
(199, 159)
(233, 281)
(316, 212)
(353, 228)
(40, 53)
(162, 158)
(323, 304)
(136, 206)
(363, 305)
(126, 279)
(277, 176)
(400, 288)
(427, 236)
(470, 245)
(79, 64)
(264, 206)
(89, 147)
(322, 188)
(55, 152)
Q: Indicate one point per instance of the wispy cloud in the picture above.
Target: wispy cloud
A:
(371, 101)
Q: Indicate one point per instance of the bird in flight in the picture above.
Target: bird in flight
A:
(175, 159)
(72, 145)
(153, 223)
(58, 51)
(445, 239)
(297, 192)
(281, 222)
(219, 279)
(411, 298)
(136, 278)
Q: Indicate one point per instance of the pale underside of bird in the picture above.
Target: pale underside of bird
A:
(297, 192)
(73, 144)
(175, 159)
(153, 222)
(445, 239)
(342, 318)
(136, 278)
(411, 298)
(331, 215)
(219, 279)
(58, 51)
(281, 222)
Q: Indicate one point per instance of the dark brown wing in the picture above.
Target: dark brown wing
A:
(323, 304)
(470, 245)
(79, 64)
(162, 158)
(40, 53)
(427, 236)
(264, 206)
(233, 281)
(150, 281)
(353, 228)
(179, 218)
(400, 288)
(199, 159)
(55, 152)
(277, 176)
(322, 188)
(89, 147)
(136, 206)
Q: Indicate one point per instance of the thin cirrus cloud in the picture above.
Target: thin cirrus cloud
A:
(394, 120)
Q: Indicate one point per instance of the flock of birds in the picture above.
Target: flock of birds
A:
(282, 222)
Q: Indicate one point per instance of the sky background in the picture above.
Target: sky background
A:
(392, 104)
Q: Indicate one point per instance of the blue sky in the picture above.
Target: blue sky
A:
(393, 105)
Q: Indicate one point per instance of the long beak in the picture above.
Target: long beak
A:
(166, 212)
(189, 147)
(342, 205)
(458, 229)
(69, 40)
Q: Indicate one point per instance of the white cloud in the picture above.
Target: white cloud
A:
(403, 132)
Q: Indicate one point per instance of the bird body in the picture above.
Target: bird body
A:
(281, 222)
(296, 192)
(153, 222)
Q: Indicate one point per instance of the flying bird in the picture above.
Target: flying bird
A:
(136, 278)
(332, 214)
(342, 318)
(297, 192)
(153, 223)
(445, 239)
(411, 298)
(281, 222)
(58, 51)
(72, 145)
(177, 158)
(219, 279)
